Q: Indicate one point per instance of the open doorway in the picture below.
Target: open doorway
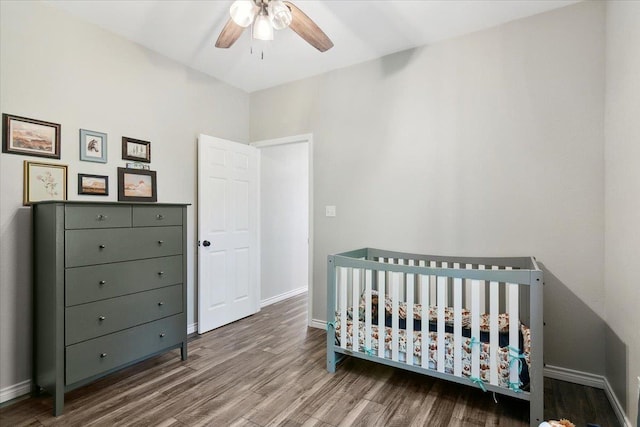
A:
(285, 219)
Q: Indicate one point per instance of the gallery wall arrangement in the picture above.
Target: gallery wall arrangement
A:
(48, 181)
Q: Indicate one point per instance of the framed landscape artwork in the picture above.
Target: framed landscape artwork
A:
(137, 185)
(136, 150)
(44, 181)
(95, 185)
(30, 137)
(93, 146)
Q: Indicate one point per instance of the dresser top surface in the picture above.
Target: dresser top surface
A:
(112, 203)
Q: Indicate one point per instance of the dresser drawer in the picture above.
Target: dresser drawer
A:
(99, 355)
(97, 217)
(98, 282)
(89, 247)
(98, 318)
(156, 216)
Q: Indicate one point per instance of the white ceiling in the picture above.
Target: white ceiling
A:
(360, 29)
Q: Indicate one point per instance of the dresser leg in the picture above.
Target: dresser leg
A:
(183, 350)
(58, 404)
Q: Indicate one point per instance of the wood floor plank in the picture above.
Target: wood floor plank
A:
(269, 370)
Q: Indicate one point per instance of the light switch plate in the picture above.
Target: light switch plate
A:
(330, 210)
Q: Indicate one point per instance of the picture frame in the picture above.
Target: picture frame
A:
(136, 165)
(93, 146)
(136, 150)
(30, 137)
(44, 181)
(137, 185)
(93, 185)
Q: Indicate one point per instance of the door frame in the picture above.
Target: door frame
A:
(294, 139)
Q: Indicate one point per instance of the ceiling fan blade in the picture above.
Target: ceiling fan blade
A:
(307, 29)
(230, 33)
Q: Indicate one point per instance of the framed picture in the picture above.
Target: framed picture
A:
(136, 150)
(95, 185)
(93, 146)
(44, 181)
(30, 137)
(136, 165)
(137, 185)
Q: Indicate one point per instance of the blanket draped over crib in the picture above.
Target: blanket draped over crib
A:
(474, 321)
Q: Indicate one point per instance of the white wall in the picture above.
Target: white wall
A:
(284, 219)
(56, 68)
(622, 178)
(489, 144)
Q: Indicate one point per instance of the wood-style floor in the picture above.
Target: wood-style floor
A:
(269, 369)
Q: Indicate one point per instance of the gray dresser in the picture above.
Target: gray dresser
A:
(109, 289)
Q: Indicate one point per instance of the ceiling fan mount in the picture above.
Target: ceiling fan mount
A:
(267, 16)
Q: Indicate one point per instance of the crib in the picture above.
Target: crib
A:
(474, 321)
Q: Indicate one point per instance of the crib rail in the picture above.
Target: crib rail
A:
(450, 284)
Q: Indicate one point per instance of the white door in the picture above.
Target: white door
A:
(228, 251)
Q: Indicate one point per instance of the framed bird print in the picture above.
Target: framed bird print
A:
(93, 146)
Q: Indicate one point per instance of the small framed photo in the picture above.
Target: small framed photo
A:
(136, 150)
(30, 137)
(93, 146)
(136, 165)
(44, 181)
(137, 185)
(95, 185)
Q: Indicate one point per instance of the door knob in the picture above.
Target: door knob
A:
(206, 243)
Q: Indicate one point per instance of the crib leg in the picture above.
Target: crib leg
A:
(331, 361)
(536, 410)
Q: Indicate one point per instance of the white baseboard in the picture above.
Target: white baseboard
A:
(589, 380)
(573, 376)
(320, 324)
(192, 328)
(282, 297)
(615, 403)
(16, 390)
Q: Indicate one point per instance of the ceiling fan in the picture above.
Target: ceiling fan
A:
(267, 15)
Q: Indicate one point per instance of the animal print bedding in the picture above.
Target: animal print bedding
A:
(505, 355)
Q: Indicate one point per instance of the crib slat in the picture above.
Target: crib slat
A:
(409, 291)
(432, 283)
(424, 315)
(355, 300)
(395, 292)
(442, 301)
(514, 317)
(381, 312)
(494, 343)
(367, 308)
(457, 324)
(475, 327)
(343, 306)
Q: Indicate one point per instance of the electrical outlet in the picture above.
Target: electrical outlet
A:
(330, 210)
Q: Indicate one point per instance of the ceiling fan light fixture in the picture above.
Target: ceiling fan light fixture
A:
(243, 12)
(262, 28)
(279, 14)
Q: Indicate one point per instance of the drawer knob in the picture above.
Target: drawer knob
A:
(160, 273)
(160, 304)
(103, 355)
(160, 242)
(102, 217)
(101, 246)
(102, 282)
(101, 318)
(159, 217)
(162, 335)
